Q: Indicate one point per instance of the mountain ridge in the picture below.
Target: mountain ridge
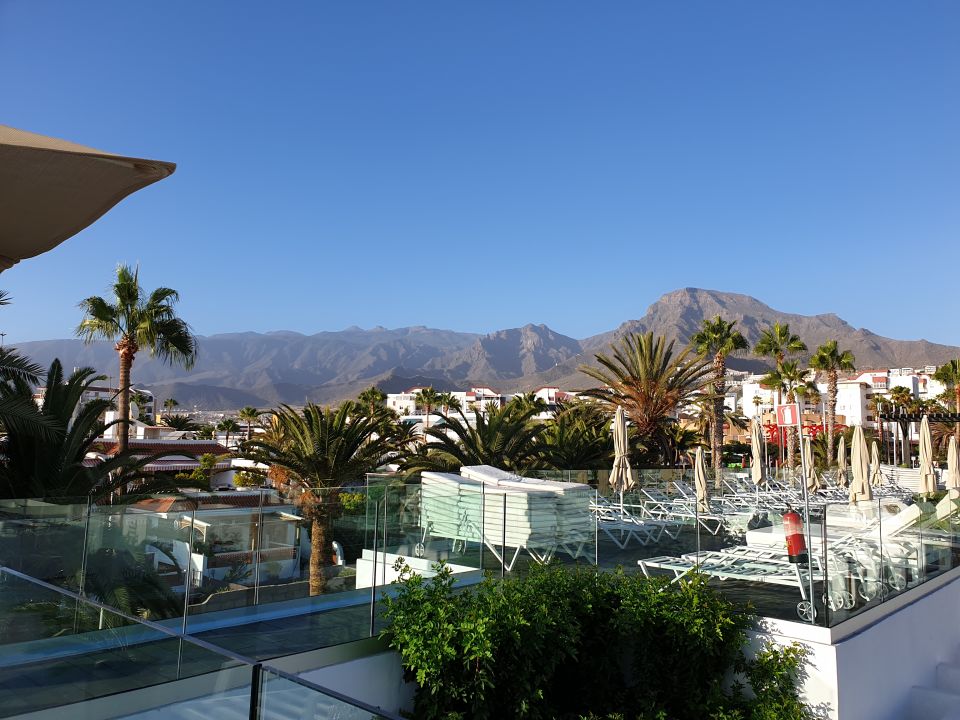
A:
(265, 369)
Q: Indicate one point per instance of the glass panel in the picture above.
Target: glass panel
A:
(56, 649)
(138, 557)
(283, 697)
(44, 538)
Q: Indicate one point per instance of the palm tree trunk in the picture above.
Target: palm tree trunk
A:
(791, 435)
(318, 551)
(956, 397)
(831, 412)
(127, 349)
(716, 439)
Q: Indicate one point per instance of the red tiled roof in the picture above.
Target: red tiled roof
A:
(220, 501)
(151, 447)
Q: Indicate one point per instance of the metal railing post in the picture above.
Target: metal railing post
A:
(373, 579)
(256, 553)
(503, 541)
(256, 690)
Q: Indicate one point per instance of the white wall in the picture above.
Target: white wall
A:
(376, 680)
(877, 667)
(859, 671)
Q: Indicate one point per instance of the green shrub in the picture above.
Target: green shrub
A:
(353, 503)
(564, 643)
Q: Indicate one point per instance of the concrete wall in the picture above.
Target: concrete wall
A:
(864, 668)
(377, 680)
(878, 666)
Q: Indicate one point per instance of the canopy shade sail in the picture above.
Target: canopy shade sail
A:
(52, 189)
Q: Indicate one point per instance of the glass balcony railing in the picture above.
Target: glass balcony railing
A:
(258, 575)
(60, 649)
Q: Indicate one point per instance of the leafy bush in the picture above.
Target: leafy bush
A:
(353, 503)
(563, 643)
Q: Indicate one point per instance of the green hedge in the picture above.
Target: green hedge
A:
(564, 643)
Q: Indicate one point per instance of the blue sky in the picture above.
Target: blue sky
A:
(480, 166)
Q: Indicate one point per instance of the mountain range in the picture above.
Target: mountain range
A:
(264, 369)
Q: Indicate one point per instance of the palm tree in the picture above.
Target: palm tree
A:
(322, 450)
(140, 399)
(372, 398)
(15, 409)
(679, 442)
(705, 424)
(949, 375)
(792, 379)
(645, 378)
(427, 398)
(179, 422)
(503, 437)
(134, 321)
(778, 342)
(228, 425)
(873, 407)
(530, 400)
(902, 400)
(37, 463)
(717, 339)
(170, 403)
(249, 415)
(18, 410)
(449, 401)
(831, 360)
(578, 437)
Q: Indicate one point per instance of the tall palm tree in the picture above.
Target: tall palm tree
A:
(645, 377)
(874, 405)
(502, 436)
(902, 400)
(170, 403)
(705, 423)
(249, 415)
(829, 359)
(322, 450)
(778, 342)
(427, 398)
(793, 380)
(949, 375)
(135, 321)
(228, 425)
(371, 399)
(718, 339)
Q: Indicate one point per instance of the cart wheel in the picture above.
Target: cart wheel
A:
(869, 589)
(848, 600)
(897, 581)
(834, 599)
(419, 550)
(806, 610)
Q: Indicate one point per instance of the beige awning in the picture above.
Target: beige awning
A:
(52, 189)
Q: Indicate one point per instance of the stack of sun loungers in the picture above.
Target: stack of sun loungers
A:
(505, 511)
